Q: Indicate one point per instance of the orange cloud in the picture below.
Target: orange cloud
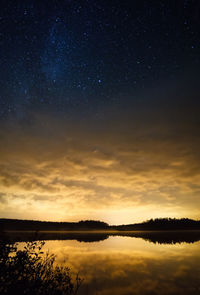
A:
(119, 171)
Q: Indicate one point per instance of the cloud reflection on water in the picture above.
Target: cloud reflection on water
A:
(131, 266)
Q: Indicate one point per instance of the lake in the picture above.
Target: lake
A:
(119, 265)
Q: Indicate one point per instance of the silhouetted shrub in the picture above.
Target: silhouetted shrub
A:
(30, 271)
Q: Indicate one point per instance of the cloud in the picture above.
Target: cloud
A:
(144, 159)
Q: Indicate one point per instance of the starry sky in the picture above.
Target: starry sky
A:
(99, 109)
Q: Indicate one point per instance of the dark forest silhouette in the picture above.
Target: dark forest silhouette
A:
(162, 224)
(17, 224)
(163, 231)
(152, 224)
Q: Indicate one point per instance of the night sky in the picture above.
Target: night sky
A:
(99, 109)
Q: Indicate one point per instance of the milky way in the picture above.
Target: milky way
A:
(107, 92)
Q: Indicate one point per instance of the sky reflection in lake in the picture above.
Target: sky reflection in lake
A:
(127, 265)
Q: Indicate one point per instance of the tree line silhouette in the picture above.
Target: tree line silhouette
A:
(162, 224)
(84, 225)
(34, 225)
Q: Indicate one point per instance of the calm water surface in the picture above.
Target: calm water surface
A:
(128, 265)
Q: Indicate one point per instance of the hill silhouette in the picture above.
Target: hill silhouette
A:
(162, 224)
(162, 231)
(34, 225)
(159, 224)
